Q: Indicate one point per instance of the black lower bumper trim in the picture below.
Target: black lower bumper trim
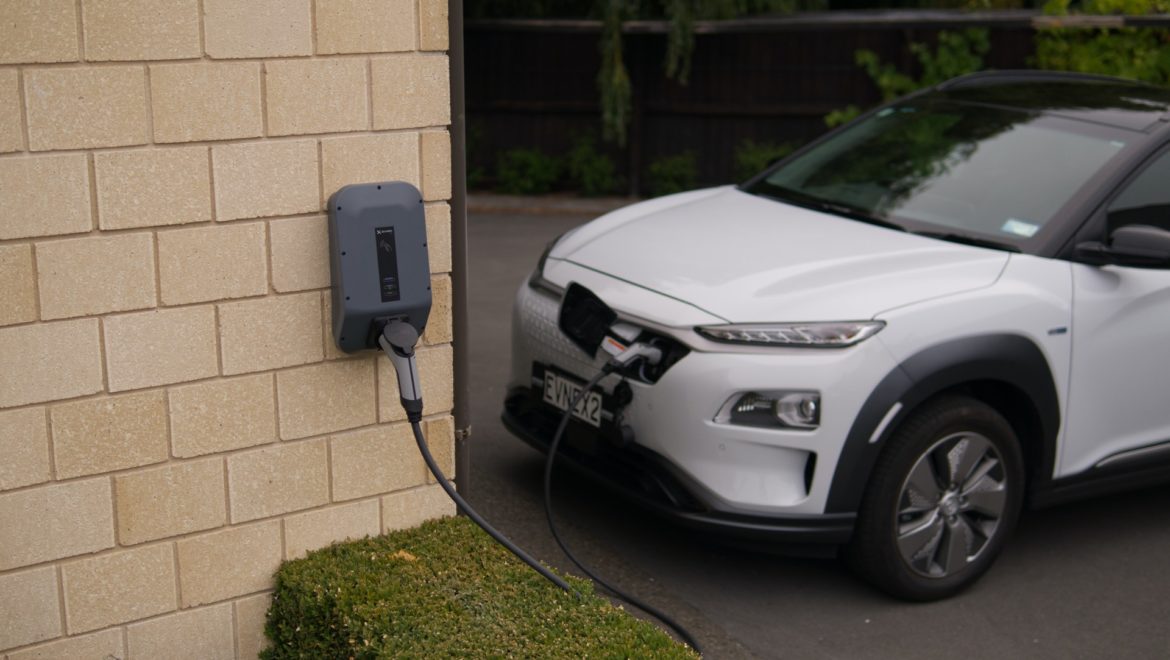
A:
(643, 477)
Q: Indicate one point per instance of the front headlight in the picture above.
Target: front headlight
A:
(835, 334)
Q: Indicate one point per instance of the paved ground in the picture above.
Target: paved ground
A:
(1088, 580)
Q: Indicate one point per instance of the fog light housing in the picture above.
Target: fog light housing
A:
(782, 408)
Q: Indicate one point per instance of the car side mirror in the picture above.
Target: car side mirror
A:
(1131, 245)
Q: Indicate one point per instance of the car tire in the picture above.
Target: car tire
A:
(942, 500)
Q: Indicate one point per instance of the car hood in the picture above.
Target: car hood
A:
(749, 259)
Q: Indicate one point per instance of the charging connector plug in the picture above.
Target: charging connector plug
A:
(397, 340)
(650, 355)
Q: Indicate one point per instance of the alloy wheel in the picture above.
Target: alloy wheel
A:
(950, 505)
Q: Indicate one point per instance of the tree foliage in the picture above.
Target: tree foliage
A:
(753, 157)
(613, 80)
(1136, 53)
(680, 44)
(956, 53)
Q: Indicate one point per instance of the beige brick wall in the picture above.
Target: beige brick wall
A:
(175, 420)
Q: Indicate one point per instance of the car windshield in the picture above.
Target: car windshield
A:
(948, 169)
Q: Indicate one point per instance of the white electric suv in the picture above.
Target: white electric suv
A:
(890, 341)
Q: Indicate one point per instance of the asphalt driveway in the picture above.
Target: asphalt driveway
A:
(1088, 580)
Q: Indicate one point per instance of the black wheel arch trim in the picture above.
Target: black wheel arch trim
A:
(1011, 359)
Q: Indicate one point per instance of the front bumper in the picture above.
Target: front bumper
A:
(645, 478)
(671, 455)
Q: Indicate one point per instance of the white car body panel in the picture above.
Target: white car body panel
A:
(1121, 369)
(753, 260)
(644, 303)
(614, 219)
(1032, 299)
(756, 469)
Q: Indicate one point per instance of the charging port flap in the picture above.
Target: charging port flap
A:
(585, 318)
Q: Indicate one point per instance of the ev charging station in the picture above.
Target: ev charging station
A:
(381, 289)
(379, 267)
(381, 292)
(381, 276)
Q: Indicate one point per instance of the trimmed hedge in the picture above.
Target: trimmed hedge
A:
(444, 589)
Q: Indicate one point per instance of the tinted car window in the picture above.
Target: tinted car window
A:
(951, 167)
(1146, 200)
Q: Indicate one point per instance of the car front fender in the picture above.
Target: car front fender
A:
(1012, 361)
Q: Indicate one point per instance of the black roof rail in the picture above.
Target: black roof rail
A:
(983, 78)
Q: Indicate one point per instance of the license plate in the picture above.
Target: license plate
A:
(559, 392)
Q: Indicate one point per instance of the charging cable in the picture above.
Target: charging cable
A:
(398, 340)
(626, 359)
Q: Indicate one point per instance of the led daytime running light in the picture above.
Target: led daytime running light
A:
(814, 335)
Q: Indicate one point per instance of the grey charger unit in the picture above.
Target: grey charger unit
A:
(378, 262)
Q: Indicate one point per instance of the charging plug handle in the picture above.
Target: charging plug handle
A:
(397, 341)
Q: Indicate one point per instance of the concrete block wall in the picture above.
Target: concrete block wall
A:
(174, 417)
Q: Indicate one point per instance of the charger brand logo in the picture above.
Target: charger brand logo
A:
(387, 250)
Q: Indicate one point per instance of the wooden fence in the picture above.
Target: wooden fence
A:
(533, 83)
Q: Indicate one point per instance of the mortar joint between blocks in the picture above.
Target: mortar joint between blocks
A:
(23, 109)
(370, 93)
(264, 98)
(202, 36)
(61, 599)
(91, 165)
(80, 15)
(211, 183)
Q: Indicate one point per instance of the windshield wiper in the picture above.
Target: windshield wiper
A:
(854, 214)
(969, 240)
(836, 208)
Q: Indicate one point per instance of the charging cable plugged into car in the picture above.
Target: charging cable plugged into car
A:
(381, 294)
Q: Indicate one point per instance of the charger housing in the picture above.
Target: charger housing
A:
(379, 269)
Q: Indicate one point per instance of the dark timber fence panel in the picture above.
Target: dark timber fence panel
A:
(533, 83)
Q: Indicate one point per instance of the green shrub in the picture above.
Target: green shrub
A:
(671, 174)
(753, 157)
(592, 173)
(444, 590)
(526, 172)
